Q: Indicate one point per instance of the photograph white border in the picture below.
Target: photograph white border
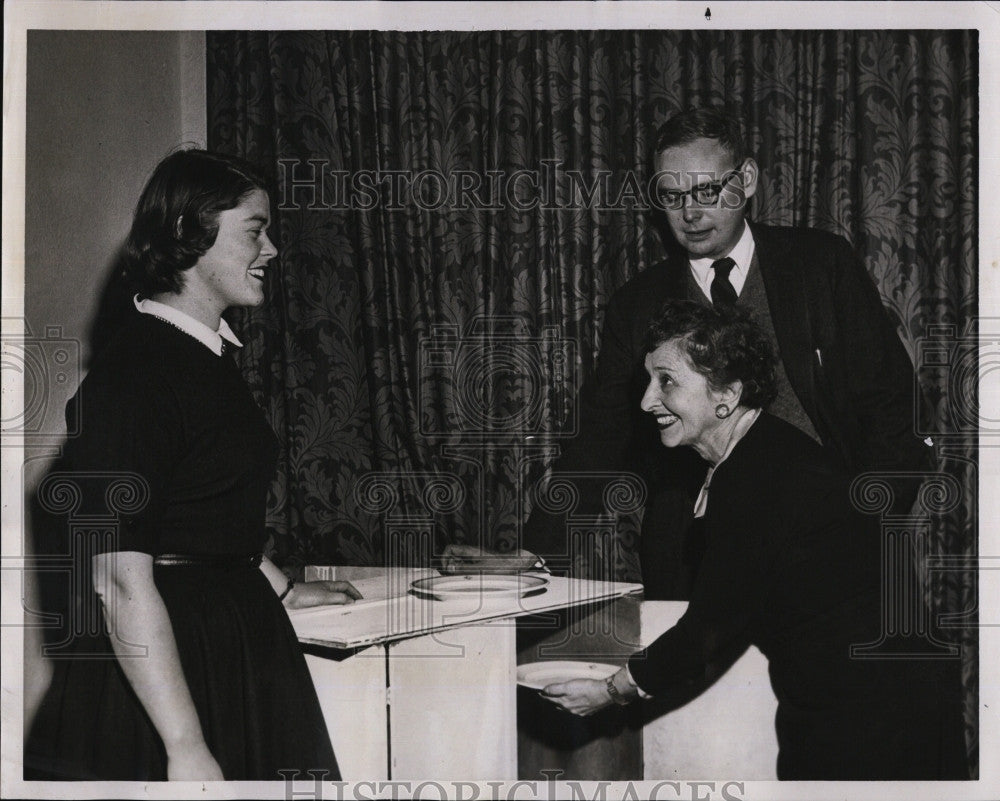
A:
(20, 16)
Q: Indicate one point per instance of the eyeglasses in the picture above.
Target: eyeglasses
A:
(706, 194)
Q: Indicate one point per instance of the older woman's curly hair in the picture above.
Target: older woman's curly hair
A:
(176, 219)
(724, 345)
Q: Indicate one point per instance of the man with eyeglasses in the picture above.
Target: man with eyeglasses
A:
(844, 377)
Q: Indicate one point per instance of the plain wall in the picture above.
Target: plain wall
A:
(103, 107)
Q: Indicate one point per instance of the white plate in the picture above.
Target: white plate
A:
(537, 675)
(477, 585)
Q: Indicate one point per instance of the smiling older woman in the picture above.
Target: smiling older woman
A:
(788, 566)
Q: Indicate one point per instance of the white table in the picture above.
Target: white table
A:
(413, 688)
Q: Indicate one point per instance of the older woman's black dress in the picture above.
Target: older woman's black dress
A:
(790, 567)
(168, 426)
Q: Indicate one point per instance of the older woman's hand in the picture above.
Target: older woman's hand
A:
(319, 593)
(579, 696)
(459, 559)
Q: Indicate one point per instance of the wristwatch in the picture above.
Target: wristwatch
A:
(614, 692)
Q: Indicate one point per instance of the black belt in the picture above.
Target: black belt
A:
(208, 560)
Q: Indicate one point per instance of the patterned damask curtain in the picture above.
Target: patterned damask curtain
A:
(454, 209)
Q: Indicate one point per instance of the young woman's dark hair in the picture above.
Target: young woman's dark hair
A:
(176, 219)
(724, 345)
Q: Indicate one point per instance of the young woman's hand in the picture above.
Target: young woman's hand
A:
(319, 593)
(192, 762)
(134, 611)
(304, 594)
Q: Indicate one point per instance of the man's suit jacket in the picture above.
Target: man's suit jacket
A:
(841, 354)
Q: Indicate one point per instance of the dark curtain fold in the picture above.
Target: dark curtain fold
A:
(420, 354)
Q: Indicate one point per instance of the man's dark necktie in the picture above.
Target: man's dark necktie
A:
(723, 294)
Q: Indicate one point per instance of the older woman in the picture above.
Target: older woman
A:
(199, 674)
(787, 565)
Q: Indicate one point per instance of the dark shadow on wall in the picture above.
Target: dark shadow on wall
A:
(114, 308)
(46, 535)
(53, 599)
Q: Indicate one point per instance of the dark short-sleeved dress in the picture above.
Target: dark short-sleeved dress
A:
(789, 566)
(167, 425)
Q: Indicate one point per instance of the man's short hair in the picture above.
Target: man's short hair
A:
(709, 122)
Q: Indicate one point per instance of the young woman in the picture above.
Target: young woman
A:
(198, 674)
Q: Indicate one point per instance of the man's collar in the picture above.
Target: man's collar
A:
(186, 323)
(742, 254)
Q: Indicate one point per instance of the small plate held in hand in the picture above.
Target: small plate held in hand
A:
(538, 675)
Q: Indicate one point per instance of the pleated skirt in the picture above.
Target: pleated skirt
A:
(255, 699)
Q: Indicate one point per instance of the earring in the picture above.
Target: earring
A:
(722, 411)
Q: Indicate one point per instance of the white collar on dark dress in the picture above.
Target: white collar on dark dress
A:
(186, 323)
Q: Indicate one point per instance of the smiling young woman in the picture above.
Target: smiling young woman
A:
(231, 272)
(221, 690)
